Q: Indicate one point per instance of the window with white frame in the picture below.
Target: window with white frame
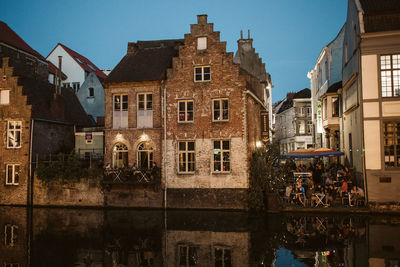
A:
(10, 234)
(120, 111)
(187, 255)
(14, 129)
(187, 158)
(222, 156)
(202, 74)
(222, 257)
(301, 111)
(12, 174)
(390, 75)
(185, 111)
(221, 109)
(145, 110)
(6, 264)
(201, 43)
(4, 97)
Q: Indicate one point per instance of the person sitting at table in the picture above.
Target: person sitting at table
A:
(330, 194)
(356, 194)
(344, 188)
(299, 190)
(329, 180)
(288, 193)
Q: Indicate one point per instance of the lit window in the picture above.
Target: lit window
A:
(91, 92)
(10, 234)
(4, 97)
(145, 156)
(390, 75)
(185, 111)
(201, 43)
(14, 129)
(221, 153)
(12, 174)
(120, 156)
(220, 110)
(222, 257)
(391, 135)
(186, 156)
(202, 74)
(187, 256)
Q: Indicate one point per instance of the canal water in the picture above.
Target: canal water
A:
(125, 237)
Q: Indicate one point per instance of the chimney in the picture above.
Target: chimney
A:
(241, 34)
(132, 48)
(58, 85)
(202, 19)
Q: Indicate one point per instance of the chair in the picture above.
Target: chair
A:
(346, 198)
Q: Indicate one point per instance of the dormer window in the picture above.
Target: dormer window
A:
(201, 43)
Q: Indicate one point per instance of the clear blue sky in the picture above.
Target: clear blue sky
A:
(288, 34)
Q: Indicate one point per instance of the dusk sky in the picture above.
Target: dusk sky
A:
(288, 34)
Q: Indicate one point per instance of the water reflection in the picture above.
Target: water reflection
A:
(86, 237)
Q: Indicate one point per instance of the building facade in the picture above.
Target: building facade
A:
(188, 107)
(326, 80)
(33, 118)
(293, 122)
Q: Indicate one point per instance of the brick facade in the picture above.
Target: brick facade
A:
(203, 184)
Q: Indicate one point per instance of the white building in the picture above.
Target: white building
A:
(293, 122)
(74, 65)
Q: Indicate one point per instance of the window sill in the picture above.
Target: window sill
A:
(220, 121)
(185, 122)
(13, 148)
(90, 97)
(202, 81)
(220, 173)
(12, 184)
(185, 173)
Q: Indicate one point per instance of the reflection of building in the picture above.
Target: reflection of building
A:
(37, 118)
(293, 122)
(14, 237)
(207, 239)
(193, 109)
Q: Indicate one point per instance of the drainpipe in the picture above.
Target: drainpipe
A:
(30, 178)
(165, 147)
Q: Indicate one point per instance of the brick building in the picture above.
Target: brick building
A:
(34, 119)
(191, 108)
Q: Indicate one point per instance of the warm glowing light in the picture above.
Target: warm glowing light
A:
(144, 137)
(118, 136)
(258, 144)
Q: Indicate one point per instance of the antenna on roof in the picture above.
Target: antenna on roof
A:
(241, 34)
(248, 34)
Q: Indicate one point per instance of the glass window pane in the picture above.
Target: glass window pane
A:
(190, 105)
(9, 174)
(227, 258)
(149, 105)
(182, 106)
(191, 146)
(217, 145)
(190, 116)
(182, 256)
(225, 145)
(117, 102)
(218, 257)
(182, 146)
(16, 174)
(216, 104)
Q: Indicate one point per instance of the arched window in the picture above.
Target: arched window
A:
(144, 155)
(120, 156)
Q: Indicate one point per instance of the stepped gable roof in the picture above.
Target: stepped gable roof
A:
(334, 87)
(382, 15)
(54, 70)
(9, 37)
(146, 61)
(85, 63)
(64, 108)
(305, 93)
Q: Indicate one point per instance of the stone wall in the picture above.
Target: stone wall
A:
(86, 192)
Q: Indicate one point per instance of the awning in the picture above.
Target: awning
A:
(313, 153)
